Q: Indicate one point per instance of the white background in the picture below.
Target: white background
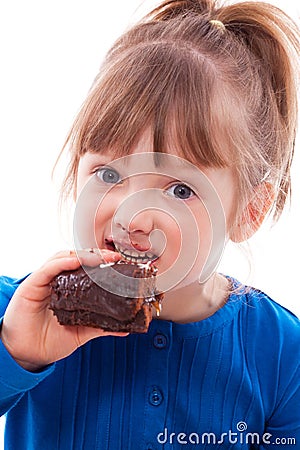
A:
(50, 53)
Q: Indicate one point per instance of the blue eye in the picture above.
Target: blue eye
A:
(108, 175)
(180, 191)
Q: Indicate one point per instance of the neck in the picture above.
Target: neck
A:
(196, 301)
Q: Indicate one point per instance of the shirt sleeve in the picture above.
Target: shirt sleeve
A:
(282, 430)
(14, 380)
(283, 427)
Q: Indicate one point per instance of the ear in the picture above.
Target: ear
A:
(254, 213)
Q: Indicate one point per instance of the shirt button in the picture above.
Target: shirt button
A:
(155, 397)
(160, 341)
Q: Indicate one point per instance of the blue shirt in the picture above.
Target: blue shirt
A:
(231, 381)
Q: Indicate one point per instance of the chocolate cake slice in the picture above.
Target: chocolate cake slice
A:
(114, 297)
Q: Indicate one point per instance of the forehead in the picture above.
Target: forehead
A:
(142, 158)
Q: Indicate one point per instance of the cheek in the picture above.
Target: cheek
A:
(169, 234)
(90, 219)
(187, 253)
(212, 239)
(198, 239)
(187, 241)
(102, 221)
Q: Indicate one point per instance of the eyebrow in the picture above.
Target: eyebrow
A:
(162, 160)
(158, 159)
(97, 157)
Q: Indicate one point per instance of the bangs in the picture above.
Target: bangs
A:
(170, 89)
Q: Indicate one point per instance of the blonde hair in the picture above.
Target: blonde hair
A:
(219, 81)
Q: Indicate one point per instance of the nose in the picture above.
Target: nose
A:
(138, 223)
(135, 210)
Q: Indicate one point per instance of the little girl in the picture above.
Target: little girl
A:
(185, 142)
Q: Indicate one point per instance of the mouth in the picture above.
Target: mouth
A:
(130, 254)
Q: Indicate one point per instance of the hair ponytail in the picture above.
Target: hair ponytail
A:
(271, 36)
(273, 39)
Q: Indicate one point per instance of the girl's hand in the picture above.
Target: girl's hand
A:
(30, 331)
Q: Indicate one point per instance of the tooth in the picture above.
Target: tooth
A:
(134, 256)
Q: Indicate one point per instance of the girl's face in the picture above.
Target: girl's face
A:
(151, 206)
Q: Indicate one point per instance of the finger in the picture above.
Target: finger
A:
(83, 255)
(43, 276)
(85, 334)
(104, 255)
